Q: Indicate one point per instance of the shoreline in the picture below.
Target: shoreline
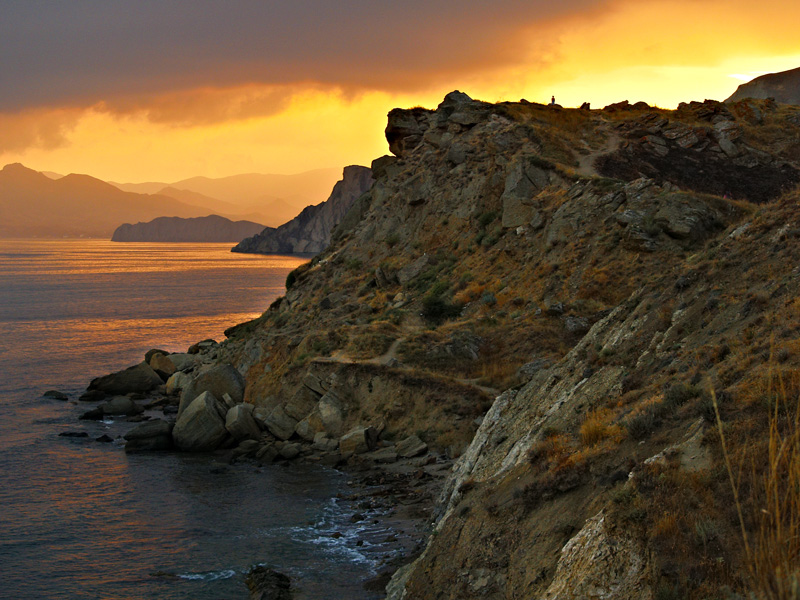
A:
(396, 495)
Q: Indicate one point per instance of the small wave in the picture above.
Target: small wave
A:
(208, 576)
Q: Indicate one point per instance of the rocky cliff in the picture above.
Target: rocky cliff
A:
(783, 87)
(212, 228)
(310, 231)
(573, 304)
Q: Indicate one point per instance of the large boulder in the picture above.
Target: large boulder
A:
(201, 426)
(219, 380)
(240, 423)
(162, 365)
(140, 378)
(121, 405)
(149, 436)
(280, 424)
(177, 381)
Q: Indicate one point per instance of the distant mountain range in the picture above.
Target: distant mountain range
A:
(212, 228)
(35, 205)
(47, 204)
(268, 199)
(784, 87)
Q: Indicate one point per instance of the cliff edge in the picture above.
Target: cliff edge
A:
(310, 231)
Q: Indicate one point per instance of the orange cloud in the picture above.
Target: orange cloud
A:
(273, 98)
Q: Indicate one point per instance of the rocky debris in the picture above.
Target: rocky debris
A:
(55, 395)
(267, 584)
(310, 231)
(240, 423)
(601, 563)
(121, 405)
(411, 446)
(140, 378)
(219, 379)
(153, 435)
(201, 426)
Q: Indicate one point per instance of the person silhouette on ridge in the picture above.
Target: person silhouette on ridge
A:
(552, 100)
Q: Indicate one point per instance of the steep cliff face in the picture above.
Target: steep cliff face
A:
(175, 229)
(310, 231)
(491, 258)
(783, 87)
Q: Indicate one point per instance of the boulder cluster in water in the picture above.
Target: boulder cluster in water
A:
(203, 402)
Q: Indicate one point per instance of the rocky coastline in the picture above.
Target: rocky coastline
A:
(571, 305)
(191, 402)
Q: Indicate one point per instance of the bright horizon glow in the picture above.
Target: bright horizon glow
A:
(598, 52)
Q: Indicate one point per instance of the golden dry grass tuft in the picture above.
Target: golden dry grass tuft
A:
(765, 479)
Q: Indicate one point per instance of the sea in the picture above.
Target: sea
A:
(79, 518)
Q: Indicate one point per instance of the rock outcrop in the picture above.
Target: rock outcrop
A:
(310, 231)
(212, 228)
(783, 87)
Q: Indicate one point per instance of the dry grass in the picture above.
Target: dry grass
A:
(769, 518)
(596, 427)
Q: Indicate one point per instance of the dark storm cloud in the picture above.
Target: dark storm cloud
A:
(80, 52)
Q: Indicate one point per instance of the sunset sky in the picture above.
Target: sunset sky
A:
(164, 90)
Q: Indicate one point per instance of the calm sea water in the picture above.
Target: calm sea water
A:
(81, 519)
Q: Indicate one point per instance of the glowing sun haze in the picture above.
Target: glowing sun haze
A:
(149, 90)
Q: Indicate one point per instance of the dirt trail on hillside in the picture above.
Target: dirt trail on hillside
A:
(389, 358)
(586, 163)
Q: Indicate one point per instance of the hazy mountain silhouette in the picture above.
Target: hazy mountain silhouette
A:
(34, 205)
(269, 199)
(784, 87)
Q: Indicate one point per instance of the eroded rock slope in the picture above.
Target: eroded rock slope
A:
(551, 295)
